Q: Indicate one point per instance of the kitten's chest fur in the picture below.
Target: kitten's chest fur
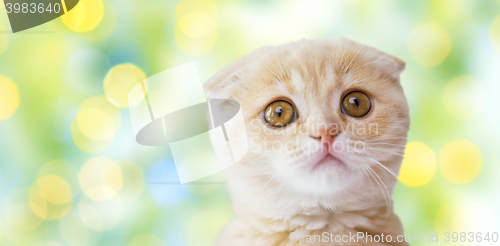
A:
(268, 217)
(327, 229)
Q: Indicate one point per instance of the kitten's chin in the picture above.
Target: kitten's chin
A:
(329, 161)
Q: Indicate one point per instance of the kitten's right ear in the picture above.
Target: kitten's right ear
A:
(218, 86)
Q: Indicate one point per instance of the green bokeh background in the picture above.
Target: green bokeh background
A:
(56, 69)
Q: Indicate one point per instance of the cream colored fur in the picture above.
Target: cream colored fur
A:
(277, 191)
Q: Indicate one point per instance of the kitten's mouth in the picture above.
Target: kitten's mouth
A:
(329, 160)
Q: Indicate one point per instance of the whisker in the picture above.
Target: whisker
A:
(401, 145)
(385, 191)
(370, 176)
(371, 140)
(384, 167)
(387, 151)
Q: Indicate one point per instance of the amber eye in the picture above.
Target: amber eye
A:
(356, 104)
(279, 113)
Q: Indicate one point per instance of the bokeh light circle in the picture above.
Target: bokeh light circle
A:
(428, 44)
(85, 16)
(51, 197)
(419, 164)
(494, 32)
(9, 97)
(120, 80)
(196, 24)
(464, 97)
(63, 169)
(460, 161)
(93, 134)
(195, 32)
(101, 179)
(54, 189)
(146, 239)
(96, 124)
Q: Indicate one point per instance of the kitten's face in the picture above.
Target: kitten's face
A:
(319, 114)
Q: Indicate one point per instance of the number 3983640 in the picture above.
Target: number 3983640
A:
(32, 8)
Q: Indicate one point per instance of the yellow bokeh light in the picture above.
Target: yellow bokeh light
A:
(429, 44)
(64, 169)
(85, 16)
(106, 26)
(419, 164)
(194, 46)
(203, 227)
(54, 189)
(133, 181)
(101, 179)
(146, 239)
(188, 6)
(464, 97)
(495, 33)
(51, 197)
(100, 216)
(95, 124)
(460, 161)
(9, 97)
(196, 24)
(120, 80)
(195, 31)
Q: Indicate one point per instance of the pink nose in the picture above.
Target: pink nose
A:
(325, 133)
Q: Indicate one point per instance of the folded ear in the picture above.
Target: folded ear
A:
(219, 86)
(391, 64)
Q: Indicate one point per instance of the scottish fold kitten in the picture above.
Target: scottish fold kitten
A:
(326, 123)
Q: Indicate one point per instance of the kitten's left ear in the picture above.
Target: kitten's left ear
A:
(220, 85)
(391, 64)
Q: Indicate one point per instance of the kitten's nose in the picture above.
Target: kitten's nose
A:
(325, 133)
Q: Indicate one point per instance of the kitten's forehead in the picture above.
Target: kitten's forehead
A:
(308, 70)
(317, 69)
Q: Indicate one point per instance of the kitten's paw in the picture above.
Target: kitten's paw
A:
(310, 222)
